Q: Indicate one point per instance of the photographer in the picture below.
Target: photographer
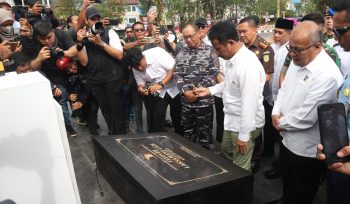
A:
(153, 75)
(104, 70)
(48, 45)
(77, 89)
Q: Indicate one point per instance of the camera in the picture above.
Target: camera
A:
(56, 54)
(97, 28)
(149, 84)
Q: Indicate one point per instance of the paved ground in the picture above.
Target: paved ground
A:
(84, 165)
(85, 170)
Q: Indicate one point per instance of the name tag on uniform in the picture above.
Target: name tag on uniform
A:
(346, 92)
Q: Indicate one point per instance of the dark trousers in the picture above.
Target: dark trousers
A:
(270, 133)
(136, 99)
(338, 188)
(90, 111)
(109, 98)
(156, 110)
(219, 110)
(301, 176)
(175, 112)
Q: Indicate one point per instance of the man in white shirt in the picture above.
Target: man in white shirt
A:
(313, 79)
(242, 91)
(153, 75)
(281, 33)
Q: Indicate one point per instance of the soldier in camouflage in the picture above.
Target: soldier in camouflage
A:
(197, 65)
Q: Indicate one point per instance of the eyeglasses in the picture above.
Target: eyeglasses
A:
(189, 36)
(297, 50)
(201, 26)
(139, 30)
(341, 31)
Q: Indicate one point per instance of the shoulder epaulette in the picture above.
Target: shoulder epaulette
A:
(264, 44)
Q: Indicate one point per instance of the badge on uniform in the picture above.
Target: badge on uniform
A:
(346, 92)
(257, 52)
(266, 58)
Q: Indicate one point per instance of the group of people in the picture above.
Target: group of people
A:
(263, 93)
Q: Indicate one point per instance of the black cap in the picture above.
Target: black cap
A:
(284, 24)
(92, 11)
(201, 21)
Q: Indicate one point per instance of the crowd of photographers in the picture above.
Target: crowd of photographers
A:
(91, 68)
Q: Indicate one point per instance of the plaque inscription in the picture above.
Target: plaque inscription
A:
(170, 160)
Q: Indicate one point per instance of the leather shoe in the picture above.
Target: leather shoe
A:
(273, 173)
(255, 166)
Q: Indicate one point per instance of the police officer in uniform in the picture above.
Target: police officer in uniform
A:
(247, 30)
(197, 65)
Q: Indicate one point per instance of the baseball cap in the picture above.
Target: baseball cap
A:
(5, 15)
(92, 11)
(6, 3)
(201, 21)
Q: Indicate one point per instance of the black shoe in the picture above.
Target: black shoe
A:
(279, 200)
(255, 166)
(79, 120)
(273, 173)
(71, 132)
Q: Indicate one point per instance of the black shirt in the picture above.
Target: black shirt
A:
(32, 47)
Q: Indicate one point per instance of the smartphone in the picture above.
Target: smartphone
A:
(333, 130)
(97, 1)
(13, 46)
(149, 40)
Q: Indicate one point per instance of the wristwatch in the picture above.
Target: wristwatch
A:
(161, 84)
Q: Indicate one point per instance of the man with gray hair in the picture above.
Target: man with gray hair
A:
(313, 79)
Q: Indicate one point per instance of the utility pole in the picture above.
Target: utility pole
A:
(278, 9)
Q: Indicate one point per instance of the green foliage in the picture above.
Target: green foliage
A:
(65, 8)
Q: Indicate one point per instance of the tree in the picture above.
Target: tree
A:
(65, 8)
(112, 8)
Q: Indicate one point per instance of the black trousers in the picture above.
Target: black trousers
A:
(109, 98)
(270, 133)
(156, 110)
(301, 176)
(90, 111)
(175, 112)
(219, 110)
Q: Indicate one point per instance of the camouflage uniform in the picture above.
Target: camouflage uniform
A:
(197, 67)
(328, 49)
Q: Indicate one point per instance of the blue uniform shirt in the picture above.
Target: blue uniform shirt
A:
(344, 97)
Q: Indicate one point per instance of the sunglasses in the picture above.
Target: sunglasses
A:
(297, 50)
(341, 31)
(128, 31)
(201, 26)
(139, 30)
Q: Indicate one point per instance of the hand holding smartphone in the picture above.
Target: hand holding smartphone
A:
(333, 130)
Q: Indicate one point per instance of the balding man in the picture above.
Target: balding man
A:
(197, 65)
(313, 79)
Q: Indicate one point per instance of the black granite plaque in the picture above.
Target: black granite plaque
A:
(171, 161)
(168, 168)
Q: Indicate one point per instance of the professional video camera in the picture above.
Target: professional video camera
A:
(96, 29)
(149, 84)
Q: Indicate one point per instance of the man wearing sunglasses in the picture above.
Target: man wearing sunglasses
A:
(338, 175)
(313, 79)
(203, 29)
